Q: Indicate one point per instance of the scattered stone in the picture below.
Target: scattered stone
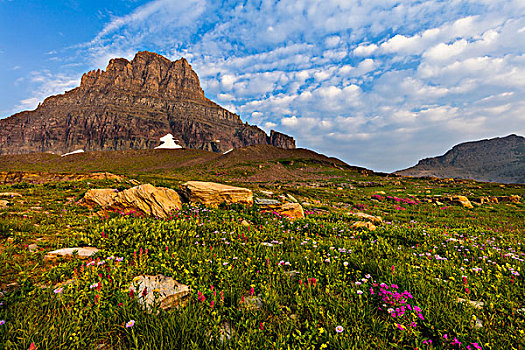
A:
(148, 199)
(267, 193)
(36, 208)
(160, 289)
(32, 247)
(475, 304)
(245, 223)
(265, 201)
(360, 225)
(293, 275)
(3, 203)
(252, 302)
(10, 194)
(212, 194)
(374, 219)
(292, 210)
(461, 200)
(477, 323)
(494, 200)
(67, 253)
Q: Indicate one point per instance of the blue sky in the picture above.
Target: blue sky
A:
(377, 83)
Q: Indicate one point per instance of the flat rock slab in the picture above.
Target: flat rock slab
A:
(10, 194)
(163, 290)
(67, 253)
(461, 200)
(212, 194)
(265, 201)
(147, 199)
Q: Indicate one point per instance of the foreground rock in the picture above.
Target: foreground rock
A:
(164, 291)
(147, 199)
(291, 210)
(3, 203)
(212, 194)
(69, 253)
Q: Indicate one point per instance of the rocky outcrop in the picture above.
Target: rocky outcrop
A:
(500, 159)
(460, 200)
(212, 194)
(131, 105)
(147, 199)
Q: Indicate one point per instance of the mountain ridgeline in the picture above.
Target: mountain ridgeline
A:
(494, 160)
(131, 105)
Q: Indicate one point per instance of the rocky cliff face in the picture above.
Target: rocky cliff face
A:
(495, 160)
(131, 105)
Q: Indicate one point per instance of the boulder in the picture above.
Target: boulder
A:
(100, 197)
(461, 200)
(212, 194)
(291, 210)
(3, 203)
(160, 289)
(67, 253)
(362, 225)
(374, 219)
(148, 199)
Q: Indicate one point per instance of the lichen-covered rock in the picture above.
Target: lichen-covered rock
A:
(147, 199)
(160, 289)
(212, 194)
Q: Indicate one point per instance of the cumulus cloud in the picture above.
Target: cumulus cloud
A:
(378, 83)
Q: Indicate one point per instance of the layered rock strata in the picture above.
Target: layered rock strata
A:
(131, 105)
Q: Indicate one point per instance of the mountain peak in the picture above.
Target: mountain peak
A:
(148, 72)
(130, 105)
(500, 159)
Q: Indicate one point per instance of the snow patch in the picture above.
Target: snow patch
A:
(168, 142)
(74, 152)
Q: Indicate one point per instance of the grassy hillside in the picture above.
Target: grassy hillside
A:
(259, 280)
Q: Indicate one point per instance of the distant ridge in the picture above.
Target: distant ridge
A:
(131, 105)
(501, 159)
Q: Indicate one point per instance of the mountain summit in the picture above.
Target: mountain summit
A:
(131, 105)
(501, 159)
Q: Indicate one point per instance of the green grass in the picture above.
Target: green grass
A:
(421, 248)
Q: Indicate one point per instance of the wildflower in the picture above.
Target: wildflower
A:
(261, 326)
(94, 285)
(359, 291)
(339, 329)
(130, 323)
(400, 326)
(2, 322)
(58, 290)
(212, 303)
(477, 346)
(32, 346)
(445, 336)
(252, 291)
